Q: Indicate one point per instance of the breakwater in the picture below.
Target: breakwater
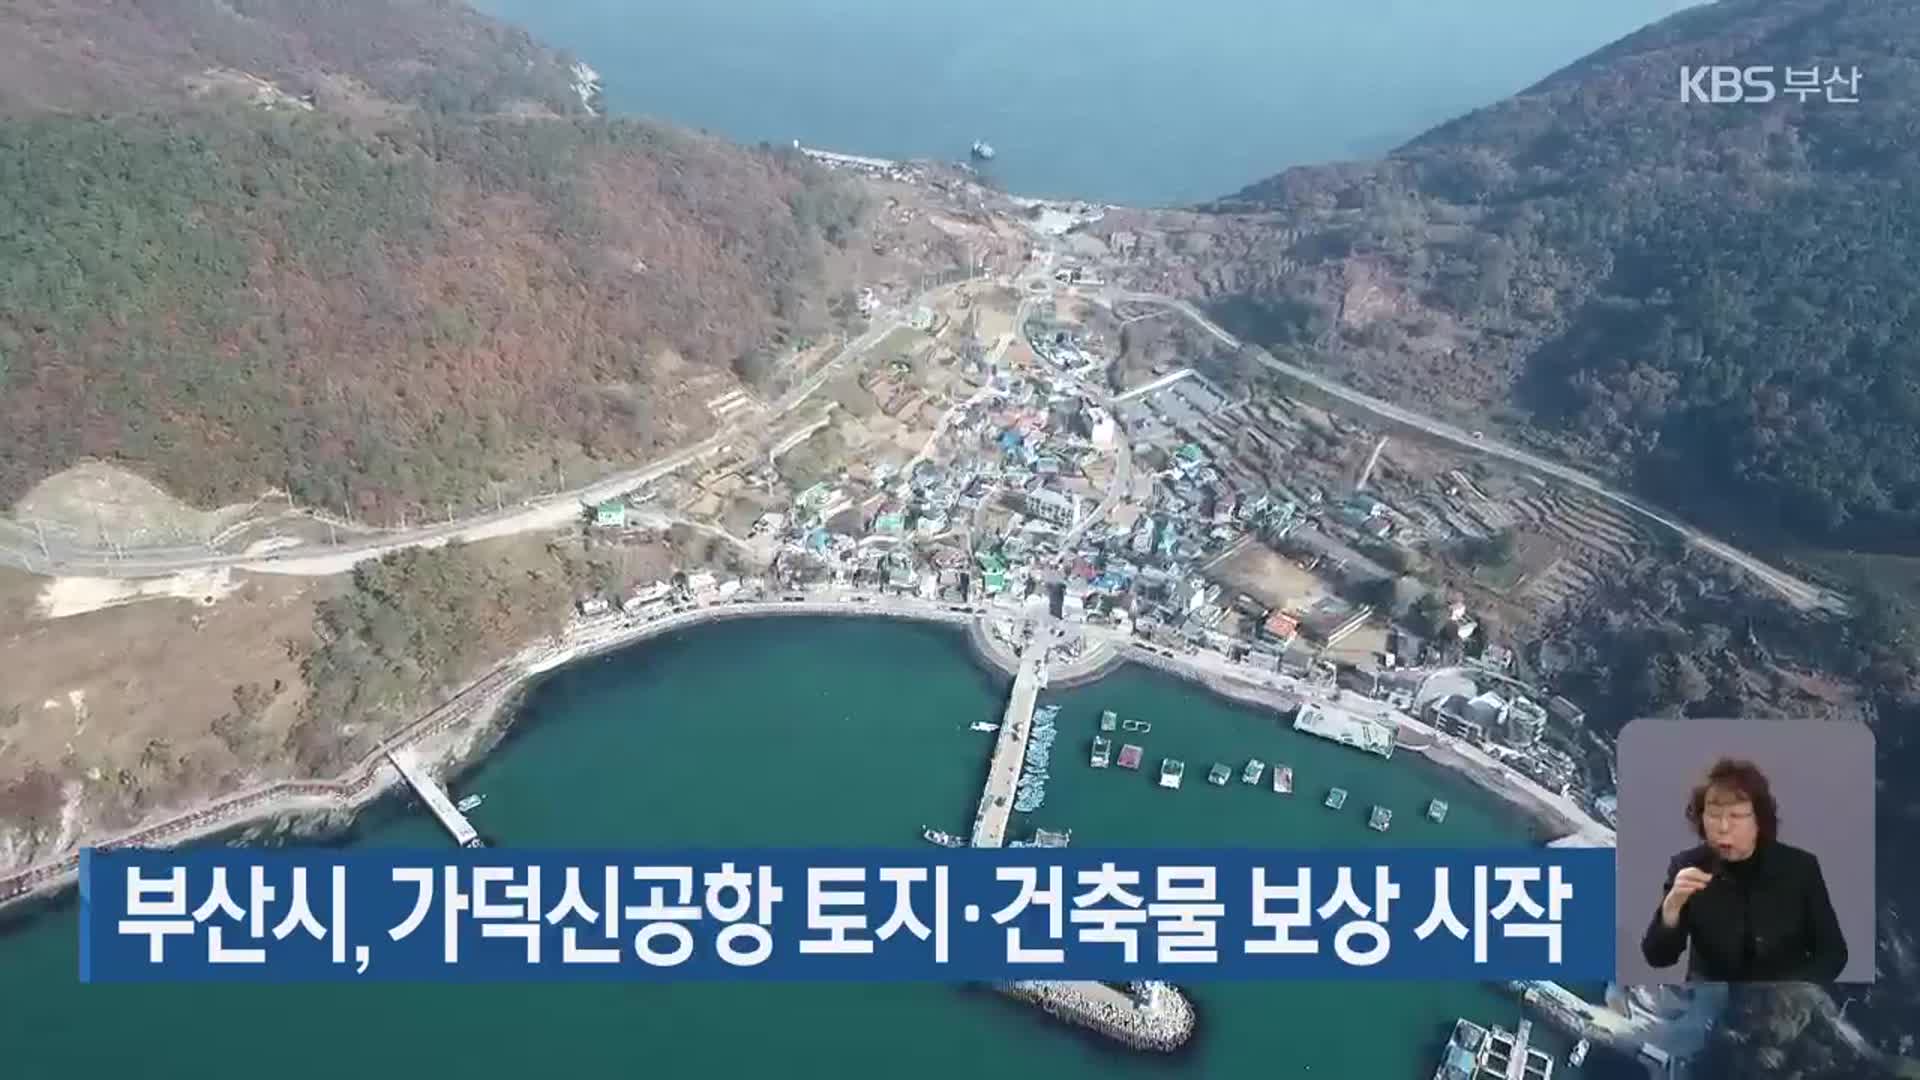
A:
(1148, 1016)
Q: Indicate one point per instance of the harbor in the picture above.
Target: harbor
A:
(866, 770)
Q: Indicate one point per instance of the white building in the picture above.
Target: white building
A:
(1053, 507)
(1105, 433)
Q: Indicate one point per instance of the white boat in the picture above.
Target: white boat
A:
(1171, 771)
(944, 839)
(1219, 774)
(1283, 779)
(1253, 772)
(1437, 811)
(469, 803)
(1579, 1053)
(982, 150)
(984, 725)
(1380, 820)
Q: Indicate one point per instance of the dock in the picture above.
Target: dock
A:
(1009, 751)
(1344, 727)
(435, 797)
(1479, 1053)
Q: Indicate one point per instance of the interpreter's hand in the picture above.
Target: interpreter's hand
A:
(1685, 883)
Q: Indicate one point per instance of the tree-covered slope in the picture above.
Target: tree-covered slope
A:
(417, 268)
(1716, 300)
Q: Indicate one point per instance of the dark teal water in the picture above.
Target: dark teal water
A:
(1145, 102)
(795, 731)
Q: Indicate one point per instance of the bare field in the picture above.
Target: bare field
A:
(1361, 646)
(96, 503)
(124, 710)
(1269, 577)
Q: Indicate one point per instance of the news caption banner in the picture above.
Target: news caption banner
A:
(965, 915)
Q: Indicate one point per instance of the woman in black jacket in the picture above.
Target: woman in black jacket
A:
(1744, 906)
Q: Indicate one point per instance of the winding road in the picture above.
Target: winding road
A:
(20, 548)
(1796, 592)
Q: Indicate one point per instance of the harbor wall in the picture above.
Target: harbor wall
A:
(1103, 1009)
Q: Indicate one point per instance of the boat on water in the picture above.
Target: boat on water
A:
(1437, 811)
(1578, 1054)
(1171, 772)
(1102, 752)
(1283, 779)
(984, 725)
(1380, 819)
(469, 803)
(982, 150)
(1130, 756)
(944, 839)
(1136, 725)
(1253, 772)
(1336, 798)
(1108, 721)
(1219, 774)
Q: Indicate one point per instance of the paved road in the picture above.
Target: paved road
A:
(1798, 593)
(19, 547)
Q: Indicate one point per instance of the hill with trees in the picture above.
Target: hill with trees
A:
(1714, 301)
(379, 254)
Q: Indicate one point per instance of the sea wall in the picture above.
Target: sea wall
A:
(451, 734)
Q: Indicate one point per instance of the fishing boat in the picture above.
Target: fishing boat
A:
(1437, 811)
(1171, 772)
(982, 150)
(1219, 774)
(469, 803)
(1253, 772)
(1380, 819)
(984, 725)
(1578, 1054)
(1108, 721)
(1136, 725)
(1283, 779)
(1130, 756)
(944, 839)
(1102, 752)
(1336, 798)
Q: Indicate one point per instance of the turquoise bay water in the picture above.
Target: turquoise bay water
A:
(797, 731)
(1146, 102)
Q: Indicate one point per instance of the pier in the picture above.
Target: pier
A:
(1009, 751)
(435, 797)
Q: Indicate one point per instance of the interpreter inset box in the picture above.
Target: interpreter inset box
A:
(1745, 851)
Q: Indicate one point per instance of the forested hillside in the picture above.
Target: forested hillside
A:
(416, 268)
(88, 55)
(1716, 301)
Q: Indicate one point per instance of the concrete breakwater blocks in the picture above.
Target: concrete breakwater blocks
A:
(1164, 1026)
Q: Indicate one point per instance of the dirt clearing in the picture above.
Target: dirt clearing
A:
(1269, 577)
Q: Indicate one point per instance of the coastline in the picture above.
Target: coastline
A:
(454, 733)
